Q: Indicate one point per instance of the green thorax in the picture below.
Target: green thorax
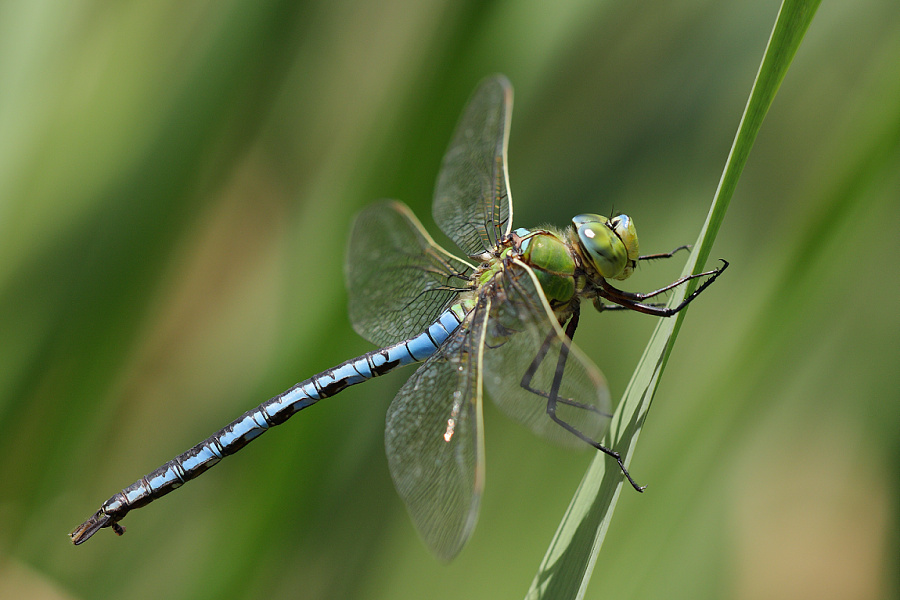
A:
(595, 248)
(552, 260)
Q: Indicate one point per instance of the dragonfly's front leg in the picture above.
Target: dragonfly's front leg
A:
(664, 254)
(601, 307)
(553, 397)
(636, 302)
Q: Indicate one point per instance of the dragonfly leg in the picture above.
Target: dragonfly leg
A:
(532, 369)
(665, 254)
(605, 307)
(553, 397)
(598, 446)
(635, 302)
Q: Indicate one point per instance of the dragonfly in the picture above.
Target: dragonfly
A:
(498, 318)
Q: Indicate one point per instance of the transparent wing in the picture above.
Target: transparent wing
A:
(524, 338)
(398, 279)
(472, 203)
(435, 441)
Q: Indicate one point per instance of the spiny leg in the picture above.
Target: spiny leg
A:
(712, 274)
(664, 254)
(602, 307)
(553, 396)
(605, 307)
(532, 370)
(634, 302)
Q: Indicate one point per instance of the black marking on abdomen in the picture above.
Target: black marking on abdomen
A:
(387, 367)
(334, 387)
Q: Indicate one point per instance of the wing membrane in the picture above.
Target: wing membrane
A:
(472, 203)
(435, 441)
(398, 279)
(521, 329)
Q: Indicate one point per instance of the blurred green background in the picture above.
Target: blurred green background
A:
(177, 182)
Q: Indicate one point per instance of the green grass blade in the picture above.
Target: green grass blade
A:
(569, 561)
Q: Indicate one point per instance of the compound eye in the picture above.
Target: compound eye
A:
(601, 245)
(623, 227)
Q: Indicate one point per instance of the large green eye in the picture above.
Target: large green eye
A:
(611, 245)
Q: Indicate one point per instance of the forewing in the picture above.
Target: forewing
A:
(435, 441)
(521, 329)
(472, 203)
(398, 279)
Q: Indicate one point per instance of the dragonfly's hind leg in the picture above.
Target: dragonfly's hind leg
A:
(532, 370)
(553, 397)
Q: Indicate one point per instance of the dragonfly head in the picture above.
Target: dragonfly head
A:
(609, 245)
